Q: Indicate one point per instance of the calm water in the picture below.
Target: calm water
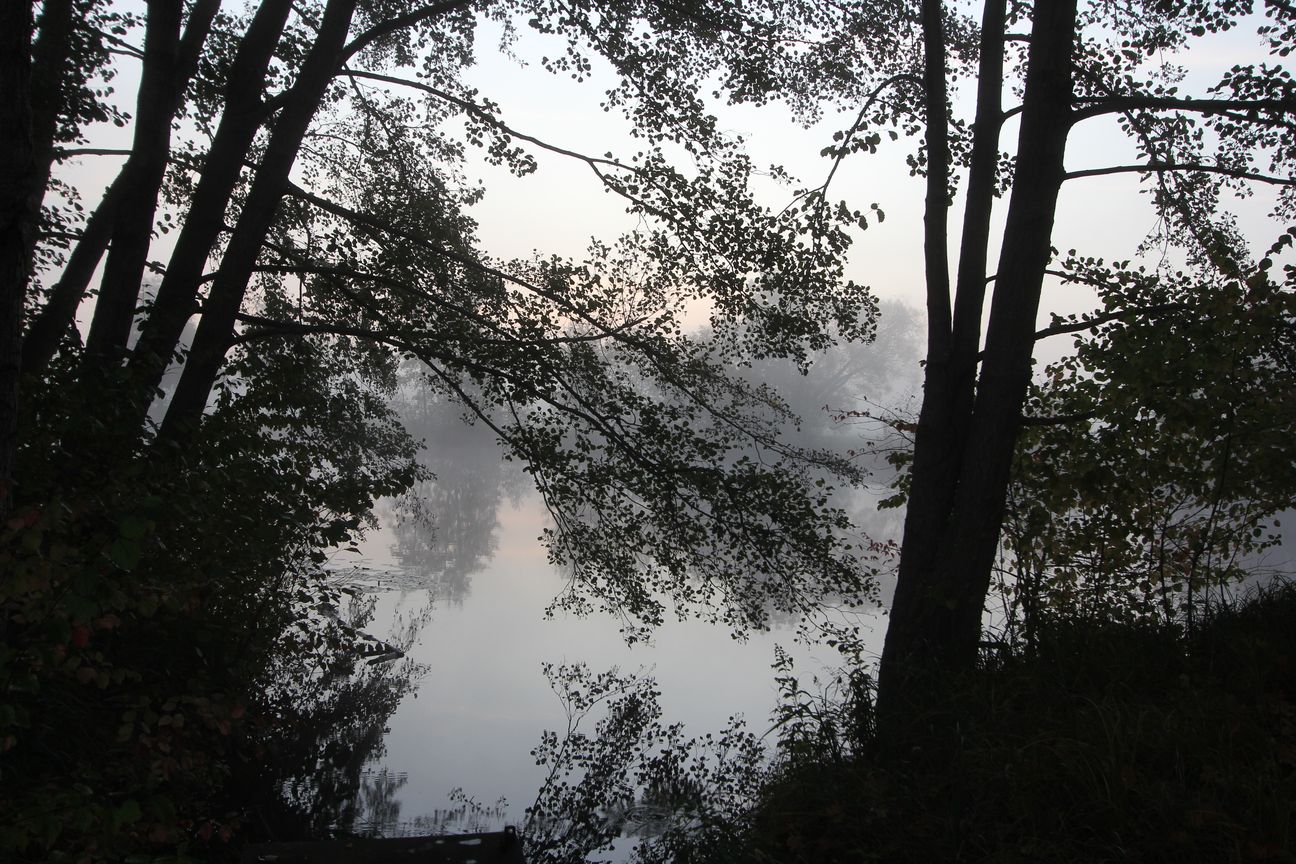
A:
(461, 558)
(480, 587)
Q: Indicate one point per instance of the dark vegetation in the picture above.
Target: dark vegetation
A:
(1109, 742)
(175, 652)
(179, 670)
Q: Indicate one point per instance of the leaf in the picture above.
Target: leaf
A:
(128, 813)
(125, 554)
(134, 527)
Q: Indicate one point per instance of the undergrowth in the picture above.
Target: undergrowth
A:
(1119, 743)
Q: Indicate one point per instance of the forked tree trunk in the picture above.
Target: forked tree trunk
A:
(168, 64)
(57, 315)
(216, 328)
(960, 480)
(243, 114)
(130, 189)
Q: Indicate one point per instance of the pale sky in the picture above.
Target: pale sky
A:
(557, 209)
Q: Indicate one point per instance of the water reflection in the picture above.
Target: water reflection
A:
(375, 810)
(445, 528)
(471, 528)
(332, 709)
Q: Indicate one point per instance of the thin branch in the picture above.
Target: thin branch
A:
(400, 22)
(485, 116)
(380, 279)
(272, 327)
(278, 327)
(1166, 167)
(1059, 420)
(595, 163)
(61, 153)
(1099, 320)
(125, 48)
(1099, 105)
(344, 212)
(859, 121)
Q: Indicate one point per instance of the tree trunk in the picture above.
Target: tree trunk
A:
(168, 65)
(969, 295)
(931, 487)
(936, 619)
(56, 317)
(216, 328)
(242, 116)
(17, 220)
(50, 64)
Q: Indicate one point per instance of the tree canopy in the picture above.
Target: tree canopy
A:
(318, 184)
(291, 222)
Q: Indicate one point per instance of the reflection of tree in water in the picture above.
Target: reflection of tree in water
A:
(375, 811)
(446, 525)
(331, 709)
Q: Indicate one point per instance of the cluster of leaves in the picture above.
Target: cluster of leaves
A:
(1162, 456)
(633, 775)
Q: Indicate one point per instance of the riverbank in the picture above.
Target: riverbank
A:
(1111, 743)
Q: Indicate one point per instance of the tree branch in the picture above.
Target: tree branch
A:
(400, 22)
(125, 48)
(69, 152)
(1165, 167)
(1099, 105)
(859, 121)
(1058, 420)
(1099, 320)
(485, 116)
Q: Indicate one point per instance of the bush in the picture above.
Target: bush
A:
(1124, 743)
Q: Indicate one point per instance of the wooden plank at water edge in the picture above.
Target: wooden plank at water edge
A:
(501, 847)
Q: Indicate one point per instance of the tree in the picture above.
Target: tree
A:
(17, 223)
(1071, 66)
(324, 200)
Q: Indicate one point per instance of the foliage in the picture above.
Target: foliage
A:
(632, 775)
(151, 618)
(671, 487)
(1171, 460)
(1126, 742)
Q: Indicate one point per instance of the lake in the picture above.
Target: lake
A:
(462, 555)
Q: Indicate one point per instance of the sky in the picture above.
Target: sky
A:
(560, 207)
